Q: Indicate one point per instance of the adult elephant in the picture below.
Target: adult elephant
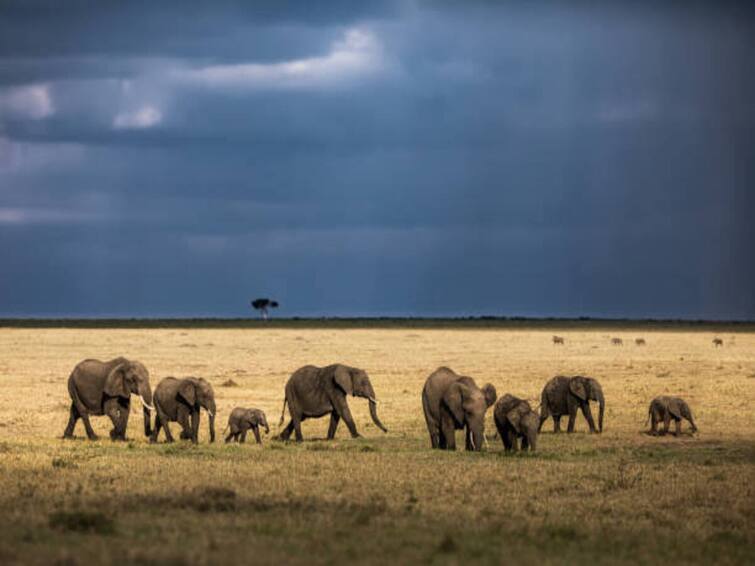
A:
(665, 409)
(179, 400)
(105, 388)
(313, 392)
(454, 402)
(515, 419)
(564, 395)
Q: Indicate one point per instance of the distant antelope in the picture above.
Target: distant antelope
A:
(558, 339)
(617, 341)
(718, 342)
(640, 341)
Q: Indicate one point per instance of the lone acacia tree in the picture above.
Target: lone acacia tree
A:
(262, 305)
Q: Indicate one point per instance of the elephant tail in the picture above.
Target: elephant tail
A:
(650, 412)
(283, 412)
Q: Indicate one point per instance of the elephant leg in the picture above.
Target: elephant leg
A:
(501, 434)
(256, 432)
(118, 415)
(286, 432)
(195, 426)
(677, 427)
(448, 432)
(342, 407)
(572, 417)
(588, 415)
(182, 416)
(156, 430)
(74, 416)
(334, 418)
(88, 426)
(653, 423)
(242, 439)
(468, 439)
(506, 439)
(556, 423)
(229, 437)
(666, 422)
(525, 444)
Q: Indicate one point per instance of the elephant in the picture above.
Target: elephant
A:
(105, 388)
(178, 399)
(665, 409)
(563, 395)
(313, 392)
(241, 420)
(514, 419)
(454, 402)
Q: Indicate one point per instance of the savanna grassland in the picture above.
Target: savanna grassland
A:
(619, 497)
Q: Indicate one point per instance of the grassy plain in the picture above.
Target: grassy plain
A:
(619, 497)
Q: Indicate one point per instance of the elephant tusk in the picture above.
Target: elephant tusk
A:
(471, 441)
(209, 412)
(147, 405)
(373, 400)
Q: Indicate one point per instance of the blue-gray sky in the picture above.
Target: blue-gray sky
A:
(381, 158)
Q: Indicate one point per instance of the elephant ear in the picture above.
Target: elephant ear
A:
(674, 407)
(577, 387)
(115, 382)
(454, 401)
(252, 417)
(342, 378)
(187, 391)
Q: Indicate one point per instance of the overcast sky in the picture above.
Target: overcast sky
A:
(382, 158)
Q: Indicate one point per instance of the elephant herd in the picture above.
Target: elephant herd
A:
(450, 402)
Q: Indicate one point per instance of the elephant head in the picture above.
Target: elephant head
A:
(588, 389)
(467, 405)
(199, 392)
(131, 377)
(525, 422)
(356, 382)
(255, 417)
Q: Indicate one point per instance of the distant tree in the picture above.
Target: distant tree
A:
(262, 305)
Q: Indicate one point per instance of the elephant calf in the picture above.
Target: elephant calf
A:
(178, 400)
(667, 408)
(241, 420)
(515, 419)
(454, 402)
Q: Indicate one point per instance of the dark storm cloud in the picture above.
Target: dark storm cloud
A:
(378, 158)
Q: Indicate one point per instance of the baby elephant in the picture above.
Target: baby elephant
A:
(666, 408)
(241, 420)
(515, 419)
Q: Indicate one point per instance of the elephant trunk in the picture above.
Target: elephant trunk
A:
(373, 414)
(264, 424)
(532, 439)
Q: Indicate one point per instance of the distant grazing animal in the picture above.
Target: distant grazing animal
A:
(558, 339)
(718, 342)
(666, 408)
(454, 402)
(564, 395)
(640, 341)
(179, 400)
(105, 388)
(313, 392)
(515, 419)
(241, 420)
(617, 341)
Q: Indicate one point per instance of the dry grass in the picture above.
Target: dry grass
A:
(621, 497)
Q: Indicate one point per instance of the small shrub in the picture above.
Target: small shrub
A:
(229, 383)
(63, 463)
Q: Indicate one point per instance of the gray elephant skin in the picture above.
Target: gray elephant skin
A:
(564, 395)
(515, 420)
(665, 409)
(454, 402)
(241, 420)
(105, 388)
(180, 400)
(313, 392)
